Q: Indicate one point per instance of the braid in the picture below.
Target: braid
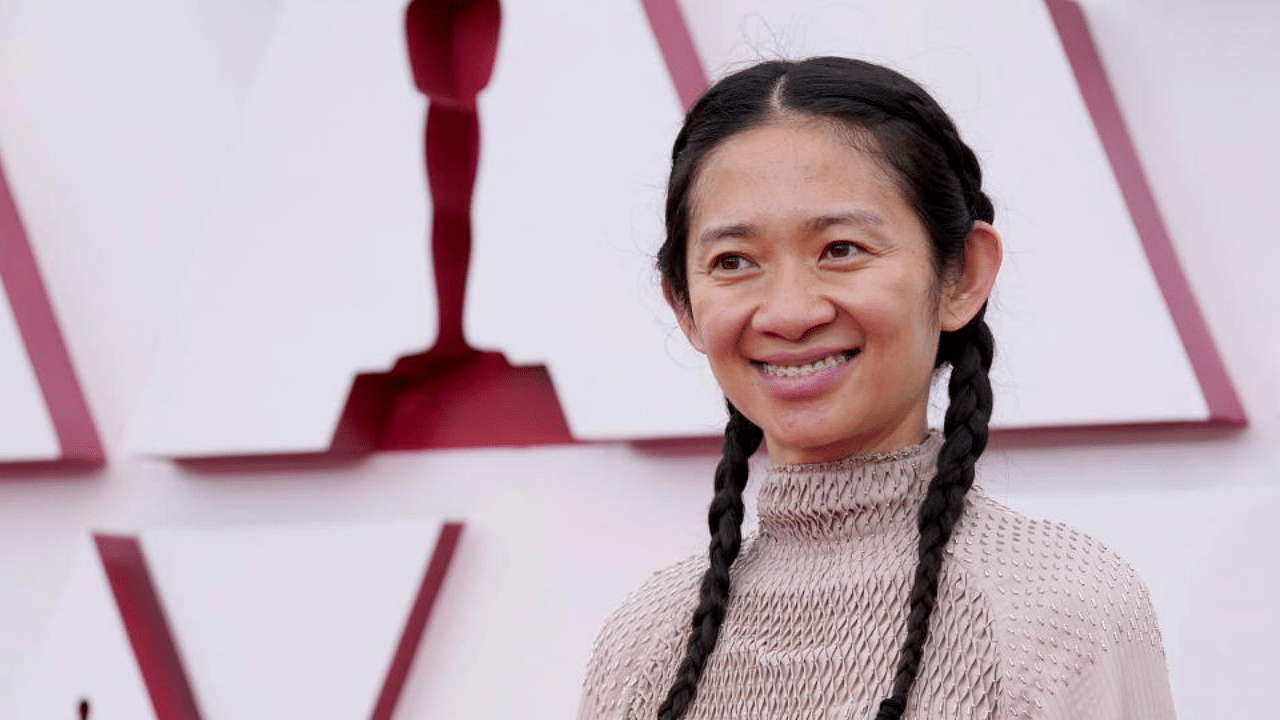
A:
(927, 117)
(970, 351)
(741, 439)
(965, 163)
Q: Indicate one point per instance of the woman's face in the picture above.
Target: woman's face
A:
(812, 292)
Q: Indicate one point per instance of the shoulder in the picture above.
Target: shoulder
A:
(1065, 607)
(638, 644)
(1053, 569)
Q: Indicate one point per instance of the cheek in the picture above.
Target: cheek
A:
(718, 326)
(904, 319)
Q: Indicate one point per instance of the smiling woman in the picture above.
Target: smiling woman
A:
(829, 247)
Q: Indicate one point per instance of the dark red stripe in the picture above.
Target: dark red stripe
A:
(392, 687)
(678, 51)
(1220, 394)
(148, 630)
(20, 275)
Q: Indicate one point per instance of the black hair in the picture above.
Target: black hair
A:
(895, 119)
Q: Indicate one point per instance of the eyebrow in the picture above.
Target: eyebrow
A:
(723, 231)
(857, 217)
(818, 224)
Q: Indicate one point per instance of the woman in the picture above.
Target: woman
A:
(829, 247)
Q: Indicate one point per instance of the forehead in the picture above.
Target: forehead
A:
(792, 170)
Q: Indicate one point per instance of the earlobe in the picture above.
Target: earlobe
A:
(971, 287)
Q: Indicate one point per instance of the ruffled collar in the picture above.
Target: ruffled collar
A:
(857, 496)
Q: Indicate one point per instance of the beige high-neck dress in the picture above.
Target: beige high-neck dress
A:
(1033, 620)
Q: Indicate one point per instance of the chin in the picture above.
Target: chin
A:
(805, 448)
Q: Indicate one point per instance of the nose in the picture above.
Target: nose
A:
(792, 306)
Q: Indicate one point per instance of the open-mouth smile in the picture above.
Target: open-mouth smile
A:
(806, 369)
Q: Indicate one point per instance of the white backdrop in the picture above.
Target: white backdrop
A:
(295, 229)
(562, 272)
(558, 534)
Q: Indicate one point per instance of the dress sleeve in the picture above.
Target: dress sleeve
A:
(607, 688)
(1078, 635)
(637, 649)
(1113, 662)
(1129, 682)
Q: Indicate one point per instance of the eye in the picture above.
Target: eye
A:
(840, 251)
(730, 262)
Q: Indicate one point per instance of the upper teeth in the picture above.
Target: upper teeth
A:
(829, 361)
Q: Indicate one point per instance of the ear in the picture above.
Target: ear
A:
(683, 316)
(968, 289)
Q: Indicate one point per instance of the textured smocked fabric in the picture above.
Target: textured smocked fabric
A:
(1033, 620)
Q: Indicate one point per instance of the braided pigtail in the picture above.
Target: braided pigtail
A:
(969, 351)
(741, 439)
